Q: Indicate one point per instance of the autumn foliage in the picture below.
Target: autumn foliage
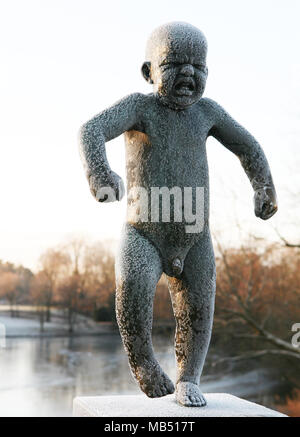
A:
(257, 301)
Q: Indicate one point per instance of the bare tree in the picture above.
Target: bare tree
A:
(54, 265)
(99, 279)
(162, 307)
(40, 290)
(261, 291)
(75, 248)
(68, 296)
(9, 289)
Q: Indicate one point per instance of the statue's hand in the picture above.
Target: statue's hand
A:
(107, 187)
(265, 202)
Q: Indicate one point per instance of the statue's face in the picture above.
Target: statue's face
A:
(179, 77)
(176, 64)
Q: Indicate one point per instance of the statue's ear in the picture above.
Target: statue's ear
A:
(146, 69)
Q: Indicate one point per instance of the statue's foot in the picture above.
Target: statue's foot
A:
(189, 395)
(153, 381)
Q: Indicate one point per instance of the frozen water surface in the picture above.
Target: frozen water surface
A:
(41, 376)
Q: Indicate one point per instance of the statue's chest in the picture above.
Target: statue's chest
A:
(175, 131)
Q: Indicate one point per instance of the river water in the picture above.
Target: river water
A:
(41, 376)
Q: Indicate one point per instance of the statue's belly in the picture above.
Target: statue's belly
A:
(164, 165)
(168, 195)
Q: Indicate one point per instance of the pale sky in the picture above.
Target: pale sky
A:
(65, 60)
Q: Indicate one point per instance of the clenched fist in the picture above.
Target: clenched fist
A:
(107, 187)
(265, 202)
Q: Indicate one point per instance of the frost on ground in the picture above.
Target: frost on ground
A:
(25, 327)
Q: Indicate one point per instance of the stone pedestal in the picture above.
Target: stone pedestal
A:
(218, 405)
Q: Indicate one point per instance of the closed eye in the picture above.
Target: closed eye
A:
(169, 65)
(200, 67)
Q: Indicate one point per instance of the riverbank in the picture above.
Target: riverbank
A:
(29, 326)
(26, 323)
(53, 367)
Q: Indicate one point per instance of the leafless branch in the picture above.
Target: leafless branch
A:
(258, 354)
(286, 243)
(282, 344)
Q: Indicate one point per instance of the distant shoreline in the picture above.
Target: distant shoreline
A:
(27, 325)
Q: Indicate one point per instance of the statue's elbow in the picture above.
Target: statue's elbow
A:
(84, 133)
(91, 132)
(84, 143)
(86, 137)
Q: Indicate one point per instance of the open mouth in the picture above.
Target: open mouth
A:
(184, 86)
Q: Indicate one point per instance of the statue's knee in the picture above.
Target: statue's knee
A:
(137, 276)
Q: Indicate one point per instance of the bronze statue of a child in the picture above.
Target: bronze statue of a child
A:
(165, 134)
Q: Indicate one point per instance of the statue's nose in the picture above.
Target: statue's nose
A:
(187, 70)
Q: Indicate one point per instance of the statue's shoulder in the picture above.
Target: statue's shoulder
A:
(141, 101)
(146, 100)
(209, 104)
(132, 99)
(211, 108)
(145, 104)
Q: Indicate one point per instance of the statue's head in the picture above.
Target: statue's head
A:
(176, 64)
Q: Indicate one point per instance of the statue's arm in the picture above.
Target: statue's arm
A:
(239, 141)
(106, 185)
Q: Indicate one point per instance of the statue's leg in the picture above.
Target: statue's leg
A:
(193, 296)
(138, 269)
